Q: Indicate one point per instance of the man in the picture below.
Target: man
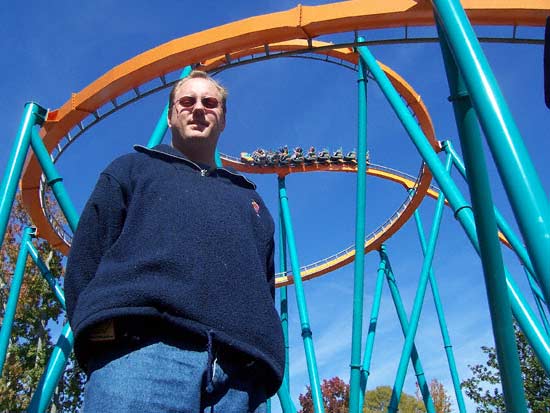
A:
(170, 279)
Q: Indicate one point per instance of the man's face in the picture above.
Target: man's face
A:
(197, 112)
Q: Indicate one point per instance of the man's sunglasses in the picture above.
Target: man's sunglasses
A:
(190, 101)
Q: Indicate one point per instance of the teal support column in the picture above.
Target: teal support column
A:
(54, 180)
(442, 323)
(359, 264)
(516, 245)
(284, 398)
(283, 292)
(13, 298)
(543, 316)
(284, 393)
(316, 395)
(403, 321)
(417, 307)
(160, 129)
(62, 349)
(529, 325)
(539, 305)
(217, 159)
(515, 242)
(32, 115)
(56, 288)
(56, 364)
(462, 211)
(162, 125)
(487, 234)
(523, 187)
(537, 293)
(369, 346)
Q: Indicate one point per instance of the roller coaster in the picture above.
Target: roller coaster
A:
(293, 33)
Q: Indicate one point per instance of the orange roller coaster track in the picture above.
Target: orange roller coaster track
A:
(289, 30)
(33, 200)
(420, 187)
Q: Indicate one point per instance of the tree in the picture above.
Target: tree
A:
(31, 340)
(442, 401)
(335, 397)
(378, 400)
(484, 386)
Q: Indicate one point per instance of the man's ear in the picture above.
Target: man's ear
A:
(168, 120)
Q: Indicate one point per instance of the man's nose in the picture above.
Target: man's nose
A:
(198, 108)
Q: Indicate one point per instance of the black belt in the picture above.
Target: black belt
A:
(140, 330)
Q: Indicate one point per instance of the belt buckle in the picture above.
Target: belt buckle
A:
(101, 332)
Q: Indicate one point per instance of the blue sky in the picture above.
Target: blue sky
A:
(54, 50)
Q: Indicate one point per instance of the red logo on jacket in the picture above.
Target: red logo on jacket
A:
(256, 207)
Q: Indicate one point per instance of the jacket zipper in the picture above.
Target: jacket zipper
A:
(204, 172)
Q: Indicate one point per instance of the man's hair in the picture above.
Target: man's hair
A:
(197, 74)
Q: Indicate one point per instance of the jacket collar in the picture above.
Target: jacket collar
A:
(169, 152)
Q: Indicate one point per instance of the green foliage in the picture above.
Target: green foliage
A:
(31, 341)
(484, 386)
(378, 400)
(336, 399)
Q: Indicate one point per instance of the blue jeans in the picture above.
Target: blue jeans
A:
(160, 378)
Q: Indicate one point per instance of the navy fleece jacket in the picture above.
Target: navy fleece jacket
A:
(161, 237)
